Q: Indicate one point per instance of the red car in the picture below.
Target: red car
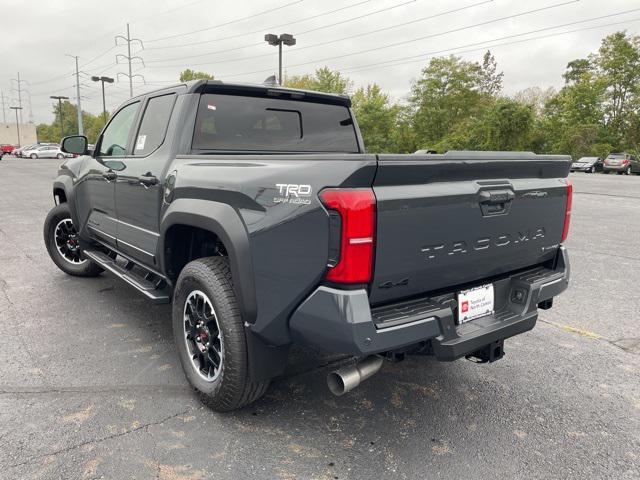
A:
(6, 149)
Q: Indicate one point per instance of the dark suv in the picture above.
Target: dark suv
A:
(622, 163)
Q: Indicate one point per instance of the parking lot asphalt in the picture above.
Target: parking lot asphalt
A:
(91, 386)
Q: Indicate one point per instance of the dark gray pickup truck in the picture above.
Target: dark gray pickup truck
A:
(257, 212)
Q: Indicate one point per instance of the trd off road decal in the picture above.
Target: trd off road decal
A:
(293, 193)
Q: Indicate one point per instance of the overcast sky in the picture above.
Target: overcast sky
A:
(226, 39)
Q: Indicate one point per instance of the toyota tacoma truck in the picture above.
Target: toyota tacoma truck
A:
(256, 211)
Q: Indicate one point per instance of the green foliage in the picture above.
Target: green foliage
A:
(323, 80)
(377, 118)
(92, 124)
(188, 75)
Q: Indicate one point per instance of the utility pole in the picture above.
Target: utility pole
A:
(4, 113)
(17, 123)
(60, 98)
(104, 104)
(129, 58)
(18, 89)
(80, 126)
(284, 38)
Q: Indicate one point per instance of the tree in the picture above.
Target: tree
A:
(447, 92)
(377, 118)
(92, 124)
(322, 80)
(535, 97)
(490, 80)
(188, 75)
(506, 125)
(618, 63)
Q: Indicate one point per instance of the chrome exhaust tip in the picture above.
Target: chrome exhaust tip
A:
(347, 378)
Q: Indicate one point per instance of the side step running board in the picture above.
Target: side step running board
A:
(155, 290)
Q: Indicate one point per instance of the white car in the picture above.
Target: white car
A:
(44, 151)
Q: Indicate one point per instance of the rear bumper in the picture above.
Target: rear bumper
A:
(343, 322)
(614, 168)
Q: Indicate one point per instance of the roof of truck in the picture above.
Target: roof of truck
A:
(218, 86)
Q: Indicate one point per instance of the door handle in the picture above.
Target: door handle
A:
(148, 180)
(109, 176)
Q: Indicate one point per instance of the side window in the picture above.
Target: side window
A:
(115, 137)
(153, 127)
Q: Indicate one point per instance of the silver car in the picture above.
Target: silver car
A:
(44, 151)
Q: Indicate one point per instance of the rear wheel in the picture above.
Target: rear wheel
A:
(628, 171)
(61, 240)
(60, 156)
(209, 335)
(592, 169)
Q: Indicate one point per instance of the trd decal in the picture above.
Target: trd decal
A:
(293, 193)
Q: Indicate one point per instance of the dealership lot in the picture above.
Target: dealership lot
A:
(91, 387)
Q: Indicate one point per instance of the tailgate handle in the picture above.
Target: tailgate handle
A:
(496, 202)
(496, 197)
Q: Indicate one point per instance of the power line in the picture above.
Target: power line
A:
(288, 24)
(230, 22)
(455, 10)
(421, 57)
(404, 42)
(501, 38)
(129, 58)
(99, 56)
(261, 30)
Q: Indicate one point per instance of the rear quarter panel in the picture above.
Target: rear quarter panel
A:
(276, 197)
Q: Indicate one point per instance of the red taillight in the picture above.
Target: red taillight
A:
(357, 210)
(567, 212)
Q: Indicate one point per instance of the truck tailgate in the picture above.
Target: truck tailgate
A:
(450, 220)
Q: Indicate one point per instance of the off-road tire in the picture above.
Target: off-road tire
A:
(85, 269)
(232, 388)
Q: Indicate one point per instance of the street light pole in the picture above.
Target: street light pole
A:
(60, 98)
(284, 38)
(104, 105)
(17, 123)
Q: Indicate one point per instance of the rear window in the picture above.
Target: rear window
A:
(237, 123)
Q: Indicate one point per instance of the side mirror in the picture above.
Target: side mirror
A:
(76, 144)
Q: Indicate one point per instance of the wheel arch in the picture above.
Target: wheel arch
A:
(222, 221)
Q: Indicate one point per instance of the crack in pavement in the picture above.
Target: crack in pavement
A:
(591, 335)
(607, 194)
(93, 390)
(606, 254)
(100, 440)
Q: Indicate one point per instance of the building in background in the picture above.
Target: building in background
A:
(9, 135)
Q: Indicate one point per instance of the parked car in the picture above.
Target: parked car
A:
(44, 151)
(257, 212)
(587, 164)
(6, 149)
(621, 163)
(18, 151)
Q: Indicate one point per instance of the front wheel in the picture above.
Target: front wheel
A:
(592, 170)
(61, 240)
(33, 156)
(628, 171)
(209, 335)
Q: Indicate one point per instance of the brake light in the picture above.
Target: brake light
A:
(357, 210)
(567, 212)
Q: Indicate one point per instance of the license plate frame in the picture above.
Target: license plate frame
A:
(474, 303)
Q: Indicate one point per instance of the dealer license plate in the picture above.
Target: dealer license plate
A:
(475, 303)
